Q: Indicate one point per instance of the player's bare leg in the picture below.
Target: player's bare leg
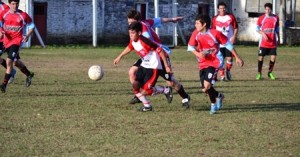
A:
(12, 73)
(228, 67)
(24, 70)
(9, 66)
(222, 73)
(131, 73)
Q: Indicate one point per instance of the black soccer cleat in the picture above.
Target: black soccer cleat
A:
(145, 109)
(29, 79)
(169, 95)
(134, 100)
(228, 75)
(186, 102)
(3, 88)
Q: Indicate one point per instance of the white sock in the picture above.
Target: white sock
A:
(143, 99)
(158, 90)
(166, 90)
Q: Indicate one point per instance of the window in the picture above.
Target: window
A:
(143, 9)
(203, 9)
(256, 7)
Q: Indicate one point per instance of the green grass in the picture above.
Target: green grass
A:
(63, 113)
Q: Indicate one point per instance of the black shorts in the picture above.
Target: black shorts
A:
(207, 75)
(267, 51)
(163, 73)
(225, 52)
(138, 63)
(13, 52)
(146, 77)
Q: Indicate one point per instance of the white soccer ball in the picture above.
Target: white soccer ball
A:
(96, 72)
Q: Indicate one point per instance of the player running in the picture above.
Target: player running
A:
(12, 24)
(148, 32)
(4, 7)
(152, 56)
(204, 44)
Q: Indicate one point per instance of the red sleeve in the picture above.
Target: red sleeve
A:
(234, 22)
(213, 23)
(193, 40)
(149, 21)
(130, 45)
(259, 21)
(27, 18)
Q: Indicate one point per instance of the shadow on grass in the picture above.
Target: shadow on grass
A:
(257, 107)
(248, 80)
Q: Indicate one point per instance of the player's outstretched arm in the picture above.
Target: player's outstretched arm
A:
(123, 53)
(174, 19)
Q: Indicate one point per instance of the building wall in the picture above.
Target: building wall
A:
(247, 26)
(70, 21)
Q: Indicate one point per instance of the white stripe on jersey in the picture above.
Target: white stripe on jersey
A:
(224, 25)
(150, 59)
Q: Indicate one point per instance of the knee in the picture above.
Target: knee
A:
(132, 71)
(136, 85)
(171, 83)
(206, 87)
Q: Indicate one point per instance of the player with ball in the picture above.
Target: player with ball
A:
(148, 72)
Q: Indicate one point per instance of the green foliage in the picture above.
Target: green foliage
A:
(64, 113)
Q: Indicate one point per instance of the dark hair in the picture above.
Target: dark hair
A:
(9, 1)
(136, 26)
(204, 19)
(133, 14)
(269, 5)
(222, 4)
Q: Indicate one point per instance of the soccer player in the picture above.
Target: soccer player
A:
(148, 32)
(12, 24)
(204, 44)
(146, 76)
(227, 24)
(4, 7)
(268, 28)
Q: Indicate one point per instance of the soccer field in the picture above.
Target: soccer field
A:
(64, 113)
